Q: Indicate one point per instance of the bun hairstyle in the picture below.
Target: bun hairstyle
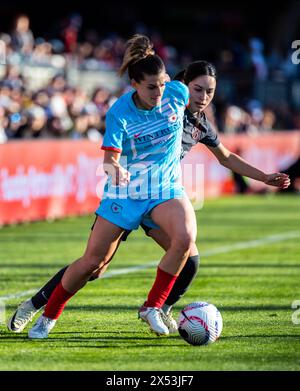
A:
(196, 69)
(140, 59)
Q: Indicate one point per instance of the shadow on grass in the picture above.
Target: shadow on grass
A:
(239, 337)
(118, 346)
(67, 337)
(32, 266)
(120, 308)
(206, 264)
(250, 265)
(256, 308)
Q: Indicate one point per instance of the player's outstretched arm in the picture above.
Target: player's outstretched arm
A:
(237, 164)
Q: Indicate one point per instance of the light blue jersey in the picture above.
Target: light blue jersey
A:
(149, 142)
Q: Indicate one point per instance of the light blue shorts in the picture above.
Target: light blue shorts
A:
(130, 213)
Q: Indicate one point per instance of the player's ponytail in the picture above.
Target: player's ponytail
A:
(140, 59)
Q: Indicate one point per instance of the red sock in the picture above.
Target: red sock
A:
(57, 302)
(161, 289)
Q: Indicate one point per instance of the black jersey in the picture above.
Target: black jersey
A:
(197, 130)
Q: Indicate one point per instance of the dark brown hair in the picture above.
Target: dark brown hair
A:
(140, 59)
(196, 69)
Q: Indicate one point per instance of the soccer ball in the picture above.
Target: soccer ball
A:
(200, 323)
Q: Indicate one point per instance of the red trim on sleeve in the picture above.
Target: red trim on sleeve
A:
(111, 149)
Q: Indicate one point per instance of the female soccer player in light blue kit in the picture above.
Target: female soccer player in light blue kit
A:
(142, 146)
(200, 77)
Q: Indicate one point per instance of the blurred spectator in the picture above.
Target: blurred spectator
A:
(22, 37)
(42, 53)
(36, 123)
(254, 119)
(57, 84)
(257, 58)
(58, 107)
(101, 98)
(70, 32)
(14, 78)
(3, 126)
(236, 120)
(268, 121)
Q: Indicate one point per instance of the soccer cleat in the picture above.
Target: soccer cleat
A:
(170, 322)
(152, 316)
(22, 316)
(41, 328)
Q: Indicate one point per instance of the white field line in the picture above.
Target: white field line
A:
(219, 250)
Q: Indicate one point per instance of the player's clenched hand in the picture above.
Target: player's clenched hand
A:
(121, 177)
(278, 179)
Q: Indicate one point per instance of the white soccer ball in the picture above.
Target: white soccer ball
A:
(200, 323)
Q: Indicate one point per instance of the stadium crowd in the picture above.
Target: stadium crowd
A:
(62, 109)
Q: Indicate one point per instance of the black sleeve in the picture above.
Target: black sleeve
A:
(211, 138)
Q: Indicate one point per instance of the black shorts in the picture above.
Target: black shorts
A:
(127, 232)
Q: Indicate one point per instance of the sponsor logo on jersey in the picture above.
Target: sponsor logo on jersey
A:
(153, 136)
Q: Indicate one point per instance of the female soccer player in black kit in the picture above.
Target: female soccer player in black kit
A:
(200, 77)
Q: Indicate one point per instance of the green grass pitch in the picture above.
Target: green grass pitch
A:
(253, 287)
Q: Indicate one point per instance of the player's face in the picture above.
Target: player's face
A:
(150, 90)
(202, 90)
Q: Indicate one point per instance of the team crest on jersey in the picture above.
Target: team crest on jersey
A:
(196, 133)
(172, 118)
(115, 208)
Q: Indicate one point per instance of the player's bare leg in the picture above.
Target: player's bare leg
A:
(177, 219)
(101, 246)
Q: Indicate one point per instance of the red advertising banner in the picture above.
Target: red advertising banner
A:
(270, 152)
(56, 178)
(47, 179)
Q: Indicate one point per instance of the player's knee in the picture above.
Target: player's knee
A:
(100, 270)
(95, 275)
(183, 242)
(93, 264)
